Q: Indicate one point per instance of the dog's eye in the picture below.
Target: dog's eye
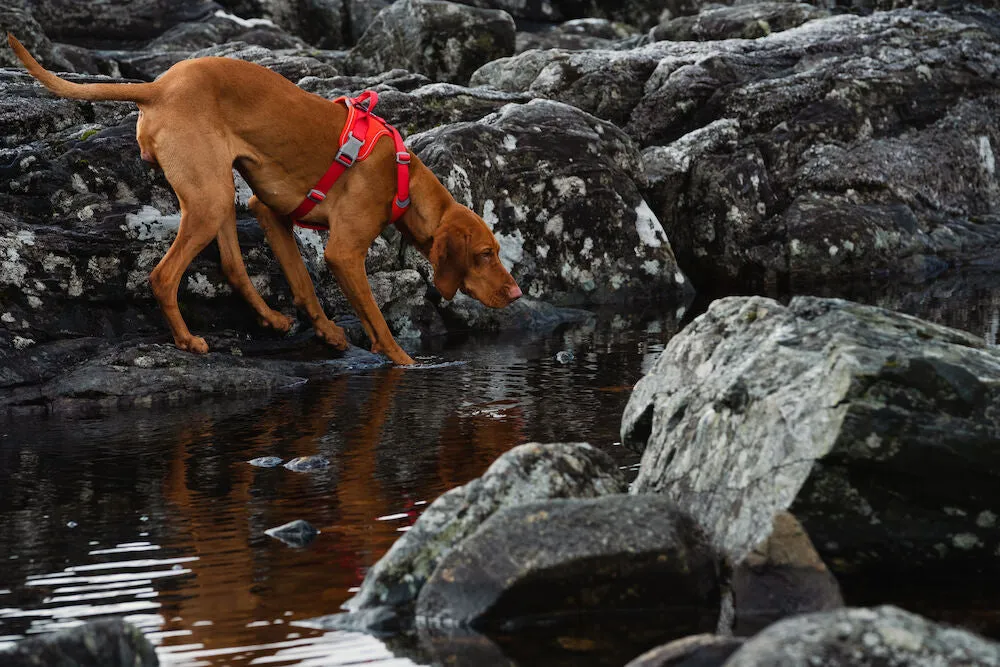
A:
(484, 256)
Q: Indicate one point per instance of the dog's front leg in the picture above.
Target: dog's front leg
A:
(348, 266)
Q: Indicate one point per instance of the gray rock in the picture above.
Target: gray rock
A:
(538, 561)
(865, 638)
(695, 651)
(812, 184)
(849, 414)
(308, 463)
(104, 22)
(298, 533)
(108, 643)
(266, 461)
(743, 21)
(526, 473)
(559, 188)
(525, 314)
(575, 35)
(322, 23)
(90, 374)
(16, 18)
(443, 40)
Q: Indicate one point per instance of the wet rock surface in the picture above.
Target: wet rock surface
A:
(879, 636)
(524, 474)
(695, 651)
(111, 643)
(93, 374)
(537, 561)
(876, 428)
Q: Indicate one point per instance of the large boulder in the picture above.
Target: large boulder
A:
(876, 428)
(444, 40)
(812, 184)
(115, 22)
(743, 21)
(109, 643)
(526, 473)
(568, 558)
(864, 638)
(558, 186)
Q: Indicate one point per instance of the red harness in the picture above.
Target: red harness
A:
(361, 131)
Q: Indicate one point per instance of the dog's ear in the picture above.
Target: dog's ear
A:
(449, 257)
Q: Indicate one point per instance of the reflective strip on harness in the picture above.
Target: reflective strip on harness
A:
(357, 140)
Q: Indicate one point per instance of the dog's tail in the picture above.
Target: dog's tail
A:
(134, 92)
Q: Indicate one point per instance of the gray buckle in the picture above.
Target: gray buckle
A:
(316, 196)
(404, 203)
(348, 153)
(403, 157)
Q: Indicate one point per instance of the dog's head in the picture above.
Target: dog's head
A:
(465, 256)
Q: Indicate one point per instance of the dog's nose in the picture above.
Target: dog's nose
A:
(514, 293)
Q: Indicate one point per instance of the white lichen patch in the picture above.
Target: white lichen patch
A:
(649, 228)
(459, 185)
(542, 250)
(986, 519)
(200, 284)
(12, 268)
(21, 343)
(509, 142)
(511, 248)
(966, 541)
(8, 318)
(554, 226)
(568, 186)
(679, 277)
(490, 214)
(149, 224)
(651, 266)
(986, 155)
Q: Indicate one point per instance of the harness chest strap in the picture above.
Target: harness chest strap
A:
(356, 145)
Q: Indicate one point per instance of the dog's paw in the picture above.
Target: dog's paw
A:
(194, 344)
(331, 334)
(276, 321)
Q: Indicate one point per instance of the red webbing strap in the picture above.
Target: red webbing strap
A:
(346, 155)
(352, 141)
(402, 199)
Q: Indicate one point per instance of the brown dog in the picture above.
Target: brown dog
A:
(204, 117)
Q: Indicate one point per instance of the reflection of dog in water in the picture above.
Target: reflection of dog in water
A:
(205, 116)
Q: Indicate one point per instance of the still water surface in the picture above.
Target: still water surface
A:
(155, 515)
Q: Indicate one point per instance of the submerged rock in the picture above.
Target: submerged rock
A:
(109, 643)
(783, 576)
(308, 463)
(877, 429)
(266, 461)
(696, 651)
(298, 533)
(526, 473)
(864, 638)
(559, 559)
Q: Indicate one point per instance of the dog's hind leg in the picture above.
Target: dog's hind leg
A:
(236, 273)
(205, 190)
(278, 230)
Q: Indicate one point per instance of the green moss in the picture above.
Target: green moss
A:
(87, 134)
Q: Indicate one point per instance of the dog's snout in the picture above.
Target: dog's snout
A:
(513, 293)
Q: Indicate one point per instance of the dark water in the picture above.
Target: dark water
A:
(155, 515)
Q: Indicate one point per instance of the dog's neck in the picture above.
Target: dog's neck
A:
(429, 200)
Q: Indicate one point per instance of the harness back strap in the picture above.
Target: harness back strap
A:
(356, 145)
